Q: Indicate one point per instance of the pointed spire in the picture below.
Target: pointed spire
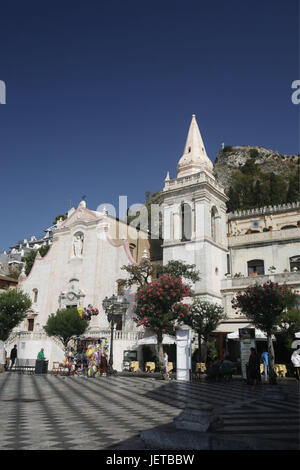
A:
(167, 177)
(194, 158)
(22, 277)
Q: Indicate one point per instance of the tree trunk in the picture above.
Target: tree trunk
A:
(205, 352)
(160, 352)
(272, 375)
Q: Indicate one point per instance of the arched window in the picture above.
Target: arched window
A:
(256, 267)
(34, 295)
(186, 222)
(132, 246)
(213, 223)
(295, 263)
(286, 227)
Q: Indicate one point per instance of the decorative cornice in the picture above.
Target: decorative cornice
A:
(263, 210)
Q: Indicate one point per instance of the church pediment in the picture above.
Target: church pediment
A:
(81, 214)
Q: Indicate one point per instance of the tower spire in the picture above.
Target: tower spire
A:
(194, 158)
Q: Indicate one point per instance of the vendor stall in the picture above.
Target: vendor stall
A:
(88, 357)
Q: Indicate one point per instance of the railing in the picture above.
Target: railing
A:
(280, 278)
(273, 236)
(37, 336)
(263, 210)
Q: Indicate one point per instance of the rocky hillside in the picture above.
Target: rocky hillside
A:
(231, 159)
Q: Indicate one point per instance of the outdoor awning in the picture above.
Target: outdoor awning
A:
(258, 335)
(295, 344)
(230, 327)
(297, 335)
(167, 339)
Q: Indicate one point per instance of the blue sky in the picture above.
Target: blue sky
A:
(100, 95)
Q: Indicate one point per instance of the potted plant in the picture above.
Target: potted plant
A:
(265, 229)
(270, 228)
(228, 275)
(272, 269)
(298, 223)
(238, 275)
(249, 231)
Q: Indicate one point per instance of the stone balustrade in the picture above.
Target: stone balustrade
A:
(22, 335)
(292, 278)
(264, 237)
(263, 210)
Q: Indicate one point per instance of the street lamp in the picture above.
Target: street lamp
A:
(114, 306)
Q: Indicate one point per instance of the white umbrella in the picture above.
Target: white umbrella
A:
(295, 344)
(297, 335)
(258, 335)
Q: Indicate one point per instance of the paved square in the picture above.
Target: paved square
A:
(48, 412)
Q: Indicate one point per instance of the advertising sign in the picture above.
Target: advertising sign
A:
(247, 341)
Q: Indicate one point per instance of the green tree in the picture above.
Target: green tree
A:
(290, 324)
(13, 307)
(265, 305)
(60, 216)
(254, 153)
(179, 269)
(293, 193)
(143, 273)
(278, 189)
(203, 318)
(65, 324)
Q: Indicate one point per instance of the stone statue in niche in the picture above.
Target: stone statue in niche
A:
(78, 244)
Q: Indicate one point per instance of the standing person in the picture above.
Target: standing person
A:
(254, 368)
(2, 357)
(295, 358)
(265, 361)
(13, 355)
(41, 355)
(166, 362)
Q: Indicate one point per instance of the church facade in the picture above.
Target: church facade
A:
(82, 267)
(230, 251)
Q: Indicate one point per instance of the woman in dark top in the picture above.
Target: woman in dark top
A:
(254, 367)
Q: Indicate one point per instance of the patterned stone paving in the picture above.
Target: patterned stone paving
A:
(48, 412)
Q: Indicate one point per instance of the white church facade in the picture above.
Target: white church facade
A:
(230, 251)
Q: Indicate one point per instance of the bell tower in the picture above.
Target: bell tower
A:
(194, 215)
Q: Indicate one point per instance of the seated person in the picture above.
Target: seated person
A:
(226, 367)
(213, 369)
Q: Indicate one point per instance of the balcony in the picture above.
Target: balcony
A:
(264, 237)
(236, 283)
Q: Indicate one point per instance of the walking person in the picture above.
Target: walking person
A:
(295, 358)
(13, 355)
(254, 368)
(166, 362)
(265, 361)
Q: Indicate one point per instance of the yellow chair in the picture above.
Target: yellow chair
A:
(200, 367)
(280, 370)
(170, 366)
(134, 366)
(56, 368)
(150, 366)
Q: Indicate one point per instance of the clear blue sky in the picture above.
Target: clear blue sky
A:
(100, 95)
